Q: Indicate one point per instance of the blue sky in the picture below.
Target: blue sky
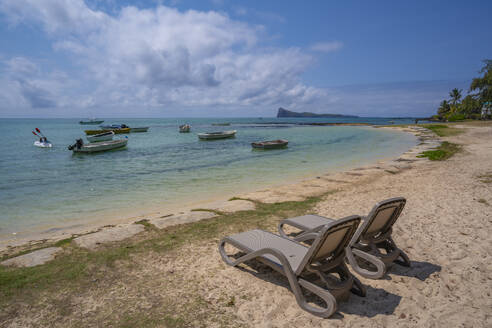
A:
(108, 58)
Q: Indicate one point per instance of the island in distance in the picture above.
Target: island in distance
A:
(287, 113)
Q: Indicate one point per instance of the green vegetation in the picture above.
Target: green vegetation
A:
(485, 178)
(483, 201)
(443, 130)
(443, 152)
(470, 107)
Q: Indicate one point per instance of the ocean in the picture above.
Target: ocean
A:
(42, 189)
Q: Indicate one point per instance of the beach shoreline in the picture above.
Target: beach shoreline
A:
(52, 234)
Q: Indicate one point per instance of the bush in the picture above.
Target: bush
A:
(456, 117)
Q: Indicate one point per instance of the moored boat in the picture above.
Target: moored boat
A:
(140, 129)
(43, 144)
(91, 122)
(184, 128)
(217, 135)
(221, 124)
(270, 144)
(105, 136)
(113, 126)
(80, 147)
(116, 131)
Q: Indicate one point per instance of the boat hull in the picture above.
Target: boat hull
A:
(217, 135)
(107, 136)
(101, 146)
(43, 144)
(116, 131)
(142, 129)
(271, 144)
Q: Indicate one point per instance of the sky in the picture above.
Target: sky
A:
(226, 58)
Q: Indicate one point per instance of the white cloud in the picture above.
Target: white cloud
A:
(24, 84)
(164, 57)
(329, 46)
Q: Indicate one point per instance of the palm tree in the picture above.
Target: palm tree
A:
(444, 108)
(455, 95)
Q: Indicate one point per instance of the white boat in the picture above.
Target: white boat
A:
(217, 135)
(106, 136)
(80, 147)
(43, 144)
(140, 129)
(184, 128)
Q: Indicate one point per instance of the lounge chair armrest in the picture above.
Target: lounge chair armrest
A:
(271, 251)
(330, 300)
(381, 268)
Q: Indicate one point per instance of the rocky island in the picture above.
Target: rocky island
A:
(287, 113)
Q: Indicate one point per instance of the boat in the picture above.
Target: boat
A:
(113, 126)
(43, 144)
(217, 135)
(80, 147)
(140, 129)
(116, 131)
(92, 121)
(270, 144)
(221, 124)
(184, 128)
(105, 136)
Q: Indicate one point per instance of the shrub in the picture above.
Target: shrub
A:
(456, 117)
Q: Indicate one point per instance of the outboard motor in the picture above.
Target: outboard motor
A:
(78, 144)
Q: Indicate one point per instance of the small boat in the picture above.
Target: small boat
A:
(217, 135)
(221, 124)
(91, 122)
(113, 126)
(270, 144)
(141, 129)
(116, 131)
(184, 128)
(43, 144)
(105, 136)
(80, 147)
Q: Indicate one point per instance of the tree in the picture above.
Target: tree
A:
(455, 95)
(444, 109)
(484, 83)
(470, 106)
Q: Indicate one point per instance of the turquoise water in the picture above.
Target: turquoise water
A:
(44, 188)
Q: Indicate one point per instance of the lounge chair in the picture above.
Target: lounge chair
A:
(303, 265)
(372, 236)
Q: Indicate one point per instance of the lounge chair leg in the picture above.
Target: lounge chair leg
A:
(326, 296)
(403, 259)
(358, 288)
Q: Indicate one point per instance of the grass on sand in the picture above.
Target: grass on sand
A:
(443, 130)
(441, 153)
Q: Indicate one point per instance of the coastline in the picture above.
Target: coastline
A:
(308, 184)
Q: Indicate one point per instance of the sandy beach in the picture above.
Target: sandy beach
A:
(169, 275)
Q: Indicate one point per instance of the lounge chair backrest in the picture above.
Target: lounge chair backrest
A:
(331, 241)
(380, 220)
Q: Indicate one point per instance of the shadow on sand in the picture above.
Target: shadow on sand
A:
(377, 301)
(419, 270)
